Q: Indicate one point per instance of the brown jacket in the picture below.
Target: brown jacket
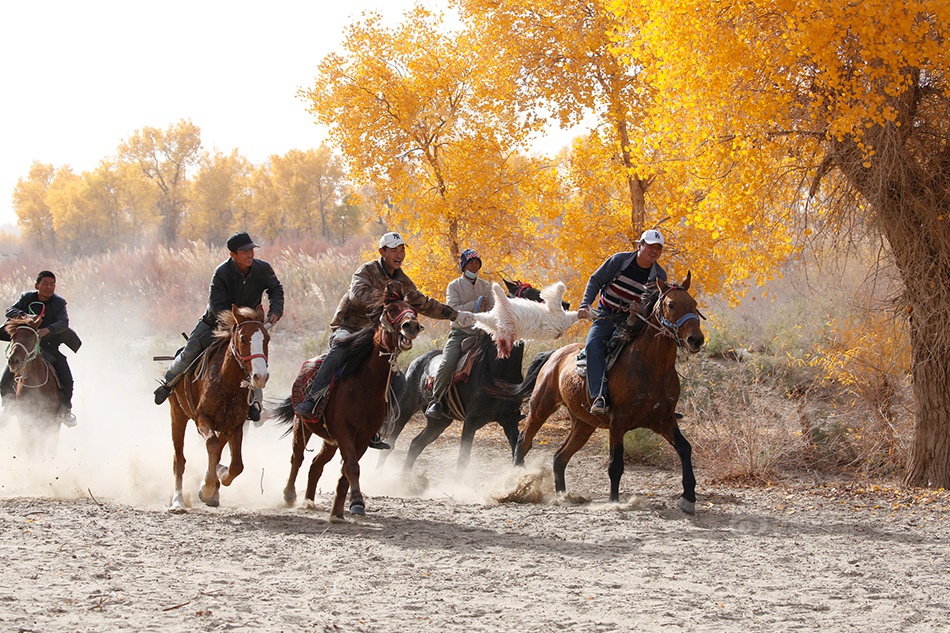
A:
(369, 280)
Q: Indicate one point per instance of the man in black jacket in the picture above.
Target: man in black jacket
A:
(53, 331)
(240, 280)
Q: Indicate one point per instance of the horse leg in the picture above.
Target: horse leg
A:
(227, 473)
(578, 436)
(351, 472)
(615, 467)
(179, 424)
(398, 426)
(301, 437)
(465, 445)
(686, 503)
(509, 424)
(208, 492)
(434, 428)
(544, 402)
(316, 470)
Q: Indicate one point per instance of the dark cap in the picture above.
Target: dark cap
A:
(240, 242)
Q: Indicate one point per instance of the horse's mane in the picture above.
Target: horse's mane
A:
(358, 346)
(226, 321)
(12, 324)
(632, 328)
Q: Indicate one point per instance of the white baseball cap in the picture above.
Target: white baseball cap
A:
(652, 236)
(391, 240)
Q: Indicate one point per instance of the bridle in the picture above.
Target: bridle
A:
(236, 353)
(394, 326)
(666, 327)
(30, 355)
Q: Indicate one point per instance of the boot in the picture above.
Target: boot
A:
(434, 411)
(67, 417)
(599, 405)
(162, 393)
(378, 443)
(254, 412)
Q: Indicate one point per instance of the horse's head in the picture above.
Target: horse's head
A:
(24, 341)
(249, 342)
(399, 318)
(678, 315)
(524, 290)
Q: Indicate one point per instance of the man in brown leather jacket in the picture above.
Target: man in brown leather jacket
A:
(351, 315)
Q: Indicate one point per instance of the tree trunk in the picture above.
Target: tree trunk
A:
(929, 463)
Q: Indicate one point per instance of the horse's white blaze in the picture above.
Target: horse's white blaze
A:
(259, 373)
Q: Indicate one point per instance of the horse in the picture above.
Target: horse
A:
(357, 402)
(471, 401)
(215, 393)
(643, 386)
(36, 388)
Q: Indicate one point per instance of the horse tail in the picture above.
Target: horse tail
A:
(522, 390)
(283, 414)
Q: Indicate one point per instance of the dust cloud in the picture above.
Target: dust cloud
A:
(121, 449)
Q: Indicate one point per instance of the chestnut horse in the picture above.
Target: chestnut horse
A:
(357, 402)
(215, 393)
(37, 391)
(643, 386)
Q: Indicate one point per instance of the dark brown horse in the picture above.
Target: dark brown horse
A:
(357, 405)
(215, 393)
(643, 386)
(36, 392)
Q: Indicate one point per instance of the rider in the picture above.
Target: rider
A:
(621, 280)
(351, 316)
(240, 280)
(54, 331)
(470, 293)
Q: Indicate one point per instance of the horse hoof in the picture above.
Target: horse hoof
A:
(210, 500)
(308, 504)
(337, 518)
(290, 498)
(689, 507)
(178, 504)
(222, 472)
(357, 509)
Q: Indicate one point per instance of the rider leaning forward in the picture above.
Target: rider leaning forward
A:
(53, 331)
(368, 282)
(624, 278)
(240, 280)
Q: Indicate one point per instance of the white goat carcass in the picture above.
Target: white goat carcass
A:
(513, 318)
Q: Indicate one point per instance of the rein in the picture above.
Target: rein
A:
(242, 360)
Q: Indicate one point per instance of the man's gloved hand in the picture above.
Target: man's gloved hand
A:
(465, 319)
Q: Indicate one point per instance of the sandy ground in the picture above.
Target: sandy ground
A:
(86, 542)
(453, 558)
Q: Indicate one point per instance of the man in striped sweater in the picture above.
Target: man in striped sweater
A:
(622, 279)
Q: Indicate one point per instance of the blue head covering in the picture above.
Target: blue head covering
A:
(468, 255)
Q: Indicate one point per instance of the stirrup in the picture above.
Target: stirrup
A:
(599, 405)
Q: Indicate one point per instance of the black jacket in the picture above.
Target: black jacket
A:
(230, 286)
(55, 319)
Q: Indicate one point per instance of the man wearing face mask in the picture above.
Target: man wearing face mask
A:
(470, 294)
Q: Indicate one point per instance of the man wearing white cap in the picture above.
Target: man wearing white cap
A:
(621, 280)
(367, 283)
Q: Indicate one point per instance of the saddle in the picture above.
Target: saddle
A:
(472, 352)
(614, 346)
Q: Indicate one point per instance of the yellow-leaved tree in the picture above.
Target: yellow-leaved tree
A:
(579, 59)
(32, 208)
(432, 127)
(832, 108)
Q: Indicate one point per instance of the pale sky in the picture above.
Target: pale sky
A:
(79, 76)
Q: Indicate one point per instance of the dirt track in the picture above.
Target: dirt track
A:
(752, 559)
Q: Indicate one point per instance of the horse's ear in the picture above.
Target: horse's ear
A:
(37, 320)
(685, 284)
(234, 313)
(260, 312)
(661, 285)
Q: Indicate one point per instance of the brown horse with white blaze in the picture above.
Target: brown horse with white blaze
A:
(643, 386)
(36, 391)
(215, 393)
(357, 402)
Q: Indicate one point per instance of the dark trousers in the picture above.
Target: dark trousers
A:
(200, 339)
(597, 339)
(60, 366)
(331, 363)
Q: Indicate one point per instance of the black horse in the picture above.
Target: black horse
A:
(475, 401)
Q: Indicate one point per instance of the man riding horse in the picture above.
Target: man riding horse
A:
(241, 280)
(470, 293)
(53, 332)
(621, 280)
(368, 281)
